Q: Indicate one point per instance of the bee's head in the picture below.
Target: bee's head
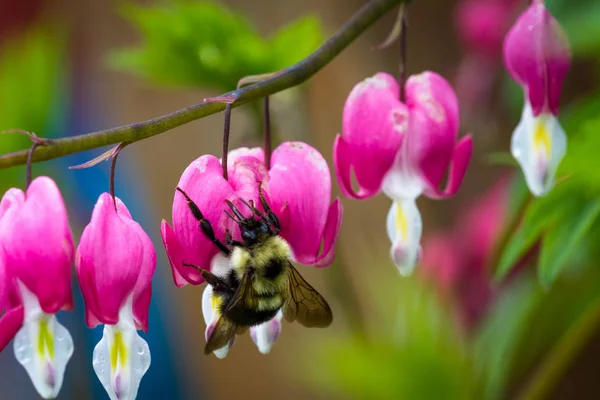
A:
(252, 230)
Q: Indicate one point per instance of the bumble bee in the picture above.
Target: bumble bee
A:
(262, 279)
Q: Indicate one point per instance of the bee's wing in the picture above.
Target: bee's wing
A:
(304, 304)
(222, 334)
(242, 295)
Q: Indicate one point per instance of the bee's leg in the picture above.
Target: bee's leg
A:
(204, 224)
(210, 278)
(215, 281)
(229, 240)
(271, 217)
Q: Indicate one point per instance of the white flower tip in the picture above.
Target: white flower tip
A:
(404, 260)
(222, 352)
(266, 334)
(538, 144)
(120, 361)
(404, 227)
(43, 347)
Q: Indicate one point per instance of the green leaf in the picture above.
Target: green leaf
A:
(539, 215)
(582, 28)
(497, 341)
(206, 44)
(295, 41)
(561, 241)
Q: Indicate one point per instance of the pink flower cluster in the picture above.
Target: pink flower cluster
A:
(115, 262)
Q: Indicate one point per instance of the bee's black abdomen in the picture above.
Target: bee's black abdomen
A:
(249, 317)
(273, 269)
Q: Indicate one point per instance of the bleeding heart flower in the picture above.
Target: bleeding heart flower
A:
(36, 253)
(115, 281)
(403, 150)
(298, 190)
(538, 57)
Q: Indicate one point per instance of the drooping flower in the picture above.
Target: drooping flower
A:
(37, 254)
(403, 150)
(298, 190)
(115, 262)
(538, 57)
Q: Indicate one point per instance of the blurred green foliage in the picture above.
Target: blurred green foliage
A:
(416, 351)
(206, 44)
(30, 66)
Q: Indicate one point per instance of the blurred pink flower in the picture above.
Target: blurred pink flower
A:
(404, 150)
(481, 26)
(537, 56)
(298, 190)
(116, 284)
(36, 254)
(456, 261)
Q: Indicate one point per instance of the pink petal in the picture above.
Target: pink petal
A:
(300, 182)
(38, 244)
(434, 95)
(432, 132)
(240, 152)
(142, 292)
(141, 308)
(175, 258)
(107, 270)
(244, 176)
(330, 236)
(458, 168)
(203, 182)
(374, 122)
(4, 283)
(538, 56)
(12, 198)
(10, 323)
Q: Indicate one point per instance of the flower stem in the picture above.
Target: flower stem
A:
(28, 172)
(113, 167)
(563, 354)
(267, 134)
(402, 63)
(226, 127)
(291, 76)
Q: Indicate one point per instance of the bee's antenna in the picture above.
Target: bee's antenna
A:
(231, 216)
(249, 205)
(235, 211)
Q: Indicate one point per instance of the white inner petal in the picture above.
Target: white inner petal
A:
(42, 346)
(122, 357)
(538, 144)
(402, 181)
(404, 228)
(266, 334)
(210, 311)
